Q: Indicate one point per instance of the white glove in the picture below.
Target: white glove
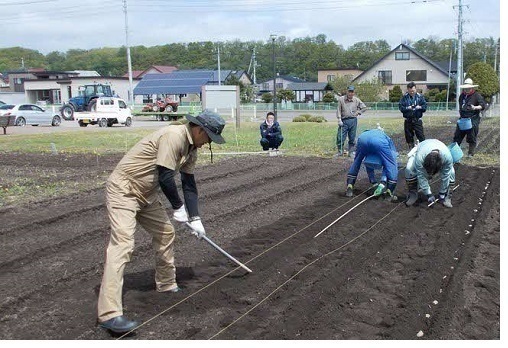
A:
(197, 227)
(418, 107)
(180, 214)
(478, 107)
(341, 123)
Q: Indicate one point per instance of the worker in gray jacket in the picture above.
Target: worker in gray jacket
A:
(429, 158)
(348, 110)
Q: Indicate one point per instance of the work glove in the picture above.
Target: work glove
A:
(180, 214)
(409, 107)
(477, 107)
(341, 123)
(197, 227)
(431, 199)
(442, 196)
(379, 190)
(418, 107)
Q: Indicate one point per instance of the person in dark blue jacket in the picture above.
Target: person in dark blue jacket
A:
(271, 133)
(413, 105)
(375, 144)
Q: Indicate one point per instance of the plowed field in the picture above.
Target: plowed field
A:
(385, 271)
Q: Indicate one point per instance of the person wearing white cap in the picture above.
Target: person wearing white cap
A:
(471, 103)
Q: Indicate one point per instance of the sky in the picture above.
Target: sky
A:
(60, 25)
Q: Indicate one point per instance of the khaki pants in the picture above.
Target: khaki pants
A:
(154, 219)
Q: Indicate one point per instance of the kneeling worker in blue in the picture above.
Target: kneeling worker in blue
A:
(376, 150)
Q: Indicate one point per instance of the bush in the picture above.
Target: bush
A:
(329, 97)
(309, 118)
(317, 119)
(395, 94)
(299, 119)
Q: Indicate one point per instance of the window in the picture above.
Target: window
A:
(147, 99)
(106, 102)
(266, 86)
(122, 105)
(385, 77)
(401, 55)
(416, 75)
(279, 85)
(330, 78)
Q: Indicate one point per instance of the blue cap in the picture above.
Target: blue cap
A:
(351, 88)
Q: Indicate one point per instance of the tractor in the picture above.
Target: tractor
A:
(86, 99)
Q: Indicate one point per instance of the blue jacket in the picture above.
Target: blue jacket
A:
(376, 142)
(407, 105)
(270, 133)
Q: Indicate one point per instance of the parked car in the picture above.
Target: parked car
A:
(30, 114)
(1, 103)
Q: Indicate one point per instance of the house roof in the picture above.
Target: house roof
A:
(164, 69)
(398, 48)
(135, 73)
(307, 86)
(176, 82)
(284, 77)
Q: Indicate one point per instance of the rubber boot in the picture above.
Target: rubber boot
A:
(349, 190)
(412, 195)
(447, 202)
(390, 197)
(471, 150)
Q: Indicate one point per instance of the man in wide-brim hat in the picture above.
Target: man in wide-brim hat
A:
(132, 196)
(471, 103)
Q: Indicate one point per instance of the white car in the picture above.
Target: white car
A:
(30, 114)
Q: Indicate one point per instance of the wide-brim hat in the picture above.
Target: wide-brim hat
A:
(468, 83)
(212, 123)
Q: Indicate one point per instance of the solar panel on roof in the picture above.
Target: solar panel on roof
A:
(176, 82)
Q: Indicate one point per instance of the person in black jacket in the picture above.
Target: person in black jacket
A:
(413, 105)
(471, 104)
(271, 133)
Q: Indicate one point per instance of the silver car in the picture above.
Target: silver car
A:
(30, 114)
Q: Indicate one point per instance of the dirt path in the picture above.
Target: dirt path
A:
(373, 275)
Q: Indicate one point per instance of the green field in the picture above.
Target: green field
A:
(300, 138)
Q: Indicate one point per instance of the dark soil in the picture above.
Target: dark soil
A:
(384, 271)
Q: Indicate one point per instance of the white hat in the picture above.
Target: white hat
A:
(468, 83)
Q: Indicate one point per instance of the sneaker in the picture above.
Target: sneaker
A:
(349, 191)
(352, 154)
(345, 153)
(119, 325)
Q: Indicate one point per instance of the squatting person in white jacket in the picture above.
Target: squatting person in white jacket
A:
(431, 157)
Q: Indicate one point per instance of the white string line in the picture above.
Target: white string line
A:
(233, 270)
(301, 270)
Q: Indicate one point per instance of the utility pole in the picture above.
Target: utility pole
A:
(449, 72)
(273, 37)
(255, 63)
(131, 96)
(218, 62)
(460, 68)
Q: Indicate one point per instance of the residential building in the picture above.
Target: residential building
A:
(328, 75)
(402, 65)
(281, 82)
(309, 91)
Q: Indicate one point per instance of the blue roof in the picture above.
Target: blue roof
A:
(176, 82)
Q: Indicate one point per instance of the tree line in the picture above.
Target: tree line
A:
(300, 57)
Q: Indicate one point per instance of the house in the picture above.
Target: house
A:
(61, 87)
(240, 75)
(281, 82)
(154, 69)
(309, 91)
(328, 75)
(402, 65)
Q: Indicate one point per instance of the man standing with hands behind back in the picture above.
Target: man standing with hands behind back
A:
(413, 105)
(348, 110)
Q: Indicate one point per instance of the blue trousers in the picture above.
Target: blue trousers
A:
(272, 142)
(348, 130)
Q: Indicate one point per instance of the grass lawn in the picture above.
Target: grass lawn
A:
(300, 138)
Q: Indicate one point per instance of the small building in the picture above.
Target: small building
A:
(328, 75)
(281, 82)
(309, 91)
(154, 69)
